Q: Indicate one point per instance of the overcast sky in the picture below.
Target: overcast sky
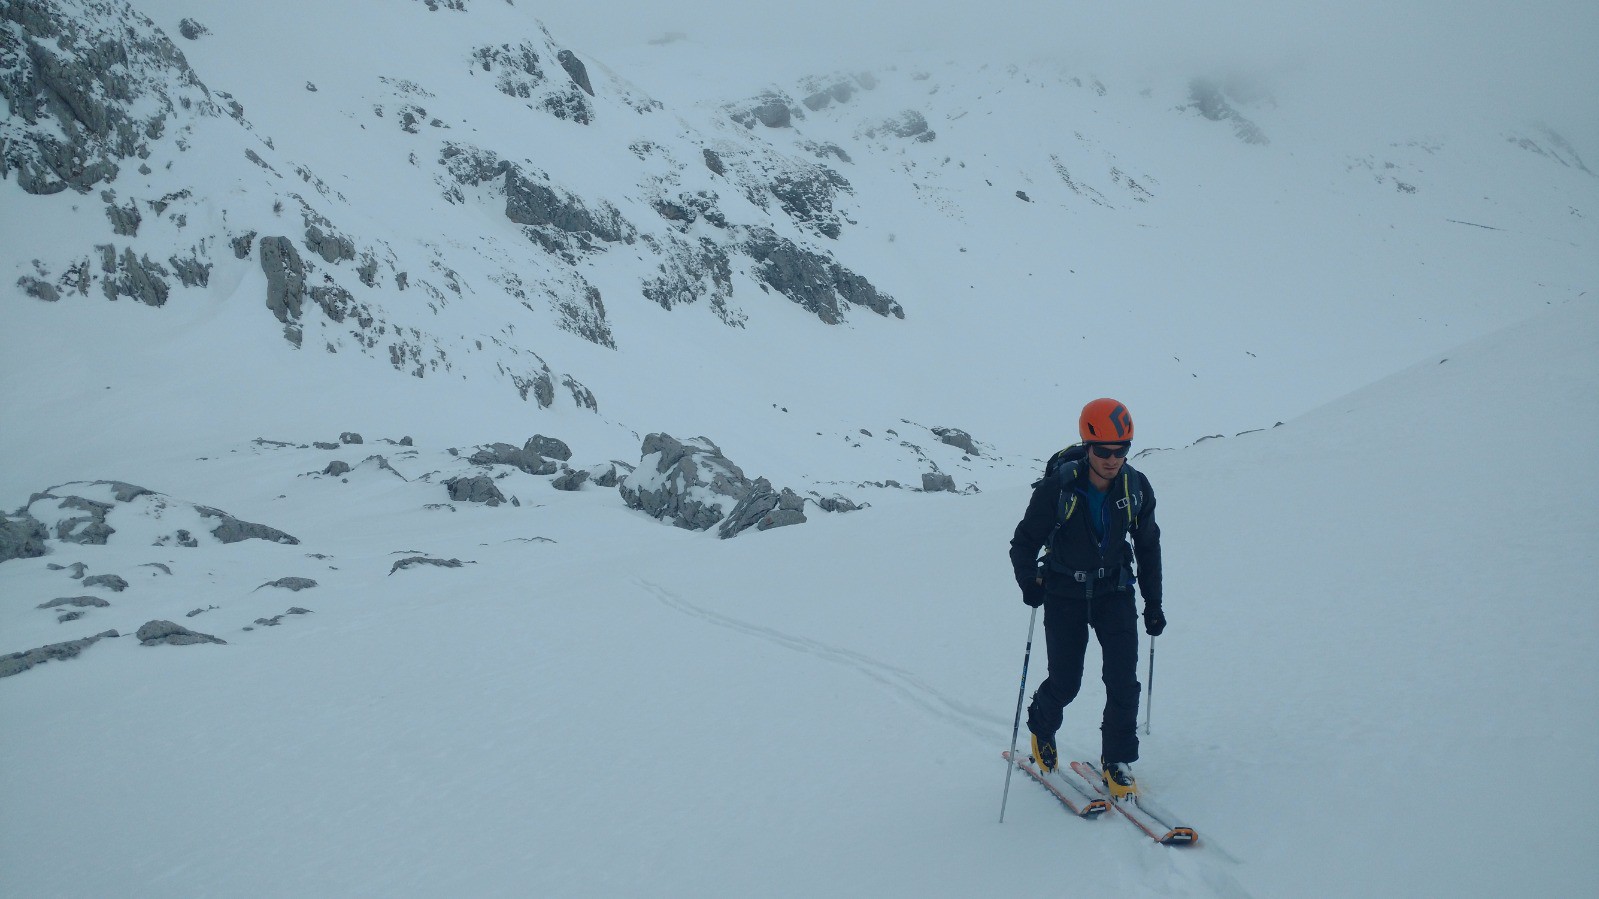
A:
(1534, 59)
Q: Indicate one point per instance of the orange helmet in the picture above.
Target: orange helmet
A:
(1105, 421)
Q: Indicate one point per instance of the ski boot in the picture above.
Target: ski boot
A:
(1118, 781)
(1044, 753)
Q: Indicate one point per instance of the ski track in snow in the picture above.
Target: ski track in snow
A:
(975, 722)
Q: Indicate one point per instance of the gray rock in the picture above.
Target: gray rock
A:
(938, 482)
(136, 277)
(153, 633)
(18, 662)
(21, 537)
(762, 508)
(85, 89)
(570, 480)
(526, 459)
(414, 561)
(39, 290)
(291, 583)
(807, 196)
(109, 581)
(815, 281)
(689, 482)
(276, 620)
(336, 468)
(191, 271)
(838, 504)
(714, 162)
(548, 447)
(82, 602)
(531, 202)
(124, 219)
(233, 530)
(693, 485)
(909, 124)
(350, 437)
(478, 489)
(575, 68)
(192, 30)
(957, 438)
(772, 109)
(285, 274)
(610, 474)
(90, 530)
(332, 247)
(1210, 99)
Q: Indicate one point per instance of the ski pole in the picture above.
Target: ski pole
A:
(1149, 705)
(1016, 726)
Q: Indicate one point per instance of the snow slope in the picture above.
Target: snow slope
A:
(1381, 610)
(1381, 617)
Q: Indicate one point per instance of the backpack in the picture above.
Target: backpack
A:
(1066, 466)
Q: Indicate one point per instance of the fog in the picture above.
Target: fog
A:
(1400, 61)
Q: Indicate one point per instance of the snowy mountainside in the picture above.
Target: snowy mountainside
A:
(453, 204)
(344, 345)
(1337, 693)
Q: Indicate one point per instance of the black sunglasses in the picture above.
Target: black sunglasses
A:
(1111, 452)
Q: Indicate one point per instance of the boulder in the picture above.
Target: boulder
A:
(689, 483)
(21, 537)
(478, 489)
(762, 508)
(153, 633)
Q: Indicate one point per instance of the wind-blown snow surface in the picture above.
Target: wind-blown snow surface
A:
(1381, 611)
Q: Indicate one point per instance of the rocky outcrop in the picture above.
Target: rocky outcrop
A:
(285, 274)
(155, 633)
(548, 447)
(763, 507)
(527, 458)
(815, 281)
(908, 124)
(294, 584)
(88, 85)
(414, 561)
(478, 489)
(21, 537)
(807, 196)
(578, 72)
(135, 277)
(18, 662)
(692, 485)
(957, 438)
(518, 73)
(773, 109)
(82, 512)
(1210, 99)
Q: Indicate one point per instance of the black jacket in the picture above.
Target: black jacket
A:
(1073, 548)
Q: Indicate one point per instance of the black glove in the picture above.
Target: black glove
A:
(1033, 594)
(1154, 619)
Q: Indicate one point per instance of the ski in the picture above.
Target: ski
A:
(1154, 822)
(1081, 802)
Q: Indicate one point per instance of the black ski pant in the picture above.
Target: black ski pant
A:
(1115, 622)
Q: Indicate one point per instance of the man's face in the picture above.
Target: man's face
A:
(1107, 458)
